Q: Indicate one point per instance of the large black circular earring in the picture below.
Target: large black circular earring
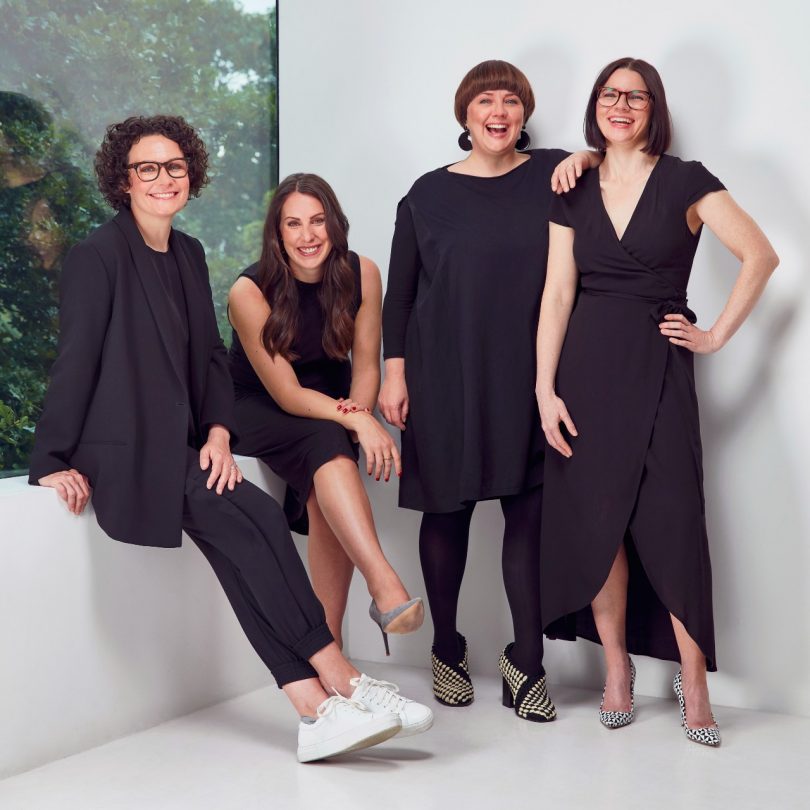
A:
(523, 142)
(464, 141)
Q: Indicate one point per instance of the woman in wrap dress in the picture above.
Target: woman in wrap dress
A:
(625, 557)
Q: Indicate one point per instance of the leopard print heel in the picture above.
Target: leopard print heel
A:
(620, 719)
(705, 736)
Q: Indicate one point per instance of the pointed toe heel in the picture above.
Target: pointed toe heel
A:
(620, 719)
(703, 736)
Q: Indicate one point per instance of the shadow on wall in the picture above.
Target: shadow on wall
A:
(757, 527)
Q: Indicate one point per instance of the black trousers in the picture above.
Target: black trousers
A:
(244, 536)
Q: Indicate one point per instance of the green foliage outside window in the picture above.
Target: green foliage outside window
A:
(69, 70)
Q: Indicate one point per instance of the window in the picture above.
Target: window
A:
(70, 69)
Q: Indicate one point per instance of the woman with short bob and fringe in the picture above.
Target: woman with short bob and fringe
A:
(467, 264)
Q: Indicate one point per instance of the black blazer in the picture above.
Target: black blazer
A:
(116, 406)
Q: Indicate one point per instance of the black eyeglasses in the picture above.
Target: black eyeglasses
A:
(148, 170)
(636, 99)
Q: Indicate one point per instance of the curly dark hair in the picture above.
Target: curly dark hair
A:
(111, 158)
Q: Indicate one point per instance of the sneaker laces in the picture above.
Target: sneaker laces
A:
(331, 703)
(382, 693)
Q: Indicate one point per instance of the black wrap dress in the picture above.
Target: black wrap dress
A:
(468, 264)
(636, 471)
(294, 447)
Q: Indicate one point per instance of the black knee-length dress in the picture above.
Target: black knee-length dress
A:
(294, 447)
(468, 264)
(636, 472)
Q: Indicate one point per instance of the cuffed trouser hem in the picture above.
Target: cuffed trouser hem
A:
(313, 642)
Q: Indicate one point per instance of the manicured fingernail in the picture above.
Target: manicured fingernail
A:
(353, 408)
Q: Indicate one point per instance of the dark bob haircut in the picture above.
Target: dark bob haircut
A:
(493, 75)
(660, 131)
(111, 158)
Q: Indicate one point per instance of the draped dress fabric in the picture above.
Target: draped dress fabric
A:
(636, 470)
(295, 447)
(468, 264)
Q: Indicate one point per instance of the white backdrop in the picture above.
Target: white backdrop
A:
(366, 91)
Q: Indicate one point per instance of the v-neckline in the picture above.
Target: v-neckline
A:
(640, 199)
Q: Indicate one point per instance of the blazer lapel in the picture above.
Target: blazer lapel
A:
(153, 289)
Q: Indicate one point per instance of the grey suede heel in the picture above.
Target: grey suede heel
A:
(404, 618)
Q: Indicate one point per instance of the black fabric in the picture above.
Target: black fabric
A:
(117, 408)
(313, 367)
(244, 537)
(443, 543)
(468, 264)
(636, 471)
(294, 447)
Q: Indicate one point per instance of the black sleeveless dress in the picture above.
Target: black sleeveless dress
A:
(636, 472)
(468, 264)
(294, 447)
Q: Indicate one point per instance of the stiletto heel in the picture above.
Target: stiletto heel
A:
(404, 618)
(452, 685)
(705, 736)
(506, 698)
(385, 641)
(620, 719)
(528, 696)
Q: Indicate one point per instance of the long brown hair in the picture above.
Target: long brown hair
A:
(277, 283)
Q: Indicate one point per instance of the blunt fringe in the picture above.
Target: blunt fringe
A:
(493, 74)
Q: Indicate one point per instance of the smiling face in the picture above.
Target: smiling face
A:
(163, 197)
(620, 124)
(495, 118)
(302, 228)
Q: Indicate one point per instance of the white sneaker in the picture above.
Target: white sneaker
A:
(381, 696)
(343, 725)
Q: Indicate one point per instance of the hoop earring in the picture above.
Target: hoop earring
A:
(523, 142)
(464, 141)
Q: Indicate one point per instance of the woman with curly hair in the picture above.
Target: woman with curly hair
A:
(140, 412)
(302, 405)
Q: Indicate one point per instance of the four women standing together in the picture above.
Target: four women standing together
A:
(624, 556)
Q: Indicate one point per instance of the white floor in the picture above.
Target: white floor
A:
(241, 755)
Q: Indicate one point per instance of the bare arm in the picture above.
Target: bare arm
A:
(743, 237)
(248, 312)
(555, 310)
(564, 177)
(367, 338)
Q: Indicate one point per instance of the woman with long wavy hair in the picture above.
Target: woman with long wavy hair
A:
(305, 363)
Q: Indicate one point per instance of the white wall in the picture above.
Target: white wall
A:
(366, 101)
(99, 639)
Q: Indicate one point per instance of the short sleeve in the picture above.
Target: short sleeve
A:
(699, 182)
(558, 212)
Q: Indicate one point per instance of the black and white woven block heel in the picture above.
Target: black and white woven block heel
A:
(620, 719)
(452, 685)
(705, 736)
(527, 696)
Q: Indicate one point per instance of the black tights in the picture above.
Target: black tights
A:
(443, 539)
